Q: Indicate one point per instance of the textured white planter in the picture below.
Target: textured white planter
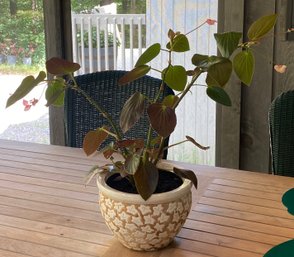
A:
(144, 225)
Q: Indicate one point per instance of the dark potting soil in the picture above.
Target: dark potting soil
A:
(167, 181)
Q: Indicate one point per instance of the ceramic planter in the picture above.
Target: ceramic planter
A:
(144, 225)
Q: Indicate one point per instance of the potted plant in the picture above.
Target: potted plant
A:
(142, 211)
(98, 41)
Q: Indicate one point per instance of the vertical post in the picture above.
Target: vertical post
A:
(57, 19)
(230, 18)
(254, 136)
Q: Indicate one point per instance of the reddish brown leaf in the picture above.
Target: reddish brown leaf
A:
(132, 162)
(171, 34)
(132, 111)
(93, 140)
(146, 179)
(188, 174)
(163, 119)
(58, 66)
(136, 143)
(108, 153)
(192, 140)
(134, 74)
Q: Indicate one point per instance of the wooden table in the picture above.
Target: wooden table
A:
(47, 211)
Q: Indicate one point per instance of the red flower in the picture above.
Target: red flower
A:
(29, 104)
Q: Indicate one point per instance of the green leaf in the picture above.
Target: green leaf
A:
(219, 95)
(243, 64)
(93, 140)
(180, 43)
(285, 249)
(205, 61)
(162, 118)
(132, 111)
(146, 179)
(200, 60)
(134, 74)
(188, 174)
(170, 100)
(55, 93)
(175, 77)
(150, 53)
(219, 73)
(288, 201)
(227, 42)
(25, 87)
(261, 27)
(58, 66)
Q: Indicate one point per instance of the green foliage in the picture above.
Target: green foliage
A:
(219, 73)
(175, 77)
(78, 6)
(150, 53)
(55, 93)
(101, 38)
(25, 31)
(219, 95)
(178, 43)
(227, 42)
(136, 73)
(244, 66)
(25, 87)
(261, 27)
(140, 156)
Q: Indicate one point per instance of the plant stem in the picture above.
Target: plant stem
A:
(149, 134)
(203, 23)
(188, 87)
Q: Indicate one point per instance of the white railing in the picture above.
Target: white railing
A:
(107, 41)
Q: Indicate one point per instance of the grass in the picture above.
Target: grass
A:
(19, 69)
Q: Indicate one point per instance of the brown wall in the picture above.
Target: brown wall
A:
(252, 150)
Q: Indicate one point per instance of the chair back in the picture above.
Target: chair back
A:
(281, 121)
(81, 116)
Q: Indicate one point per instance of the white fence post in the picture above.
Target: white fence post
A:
(122, 54)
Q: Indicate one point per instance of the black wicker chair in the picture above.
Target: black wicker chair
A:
(281, 121)
(81, 117)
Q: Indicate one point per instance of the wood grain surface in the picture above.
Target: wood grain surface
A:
(46, 210)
